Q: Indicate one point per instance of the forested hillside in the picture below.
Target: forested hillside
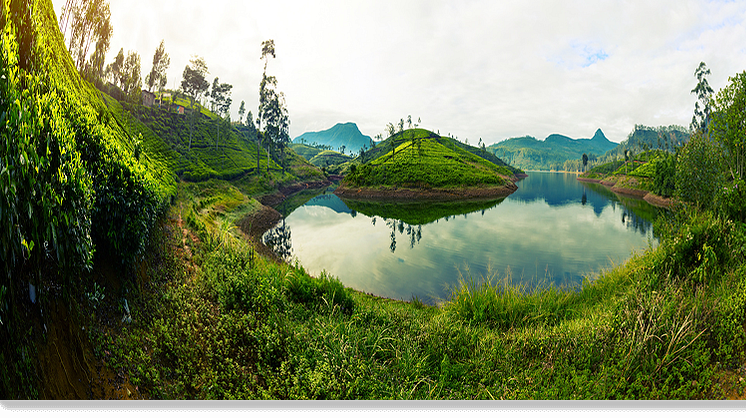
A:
(528, 153)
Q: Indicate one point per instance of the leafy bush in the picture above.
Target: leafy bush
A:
(732, 200)
(699, 171)
(46, 193)
(325, 291)
(664, 178)
(695, 245)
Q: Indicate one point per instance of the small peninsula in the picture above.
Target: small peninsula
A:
(418, 164)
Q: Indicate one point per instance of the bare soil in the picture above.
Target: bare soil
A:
(406, 194)
(649, 197)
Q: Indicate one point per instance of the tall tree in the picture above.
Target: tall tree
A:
(273, 113)
(585, 161)
(194, 85)
(90, 24)
(116, 68)
(161, 62)
(701, 117)
(729, 124)
(102, 34)
(130, 76)
(220, 97)
(221, 102)
(241, 111)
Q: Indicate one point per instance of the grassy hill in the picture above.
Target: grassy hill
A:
(306, 151)
(219, 150)
(422, 159)
(528, 153)
(329, 158)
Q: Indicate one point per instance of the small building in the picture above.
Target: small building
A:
(148, 99)
(181, 110)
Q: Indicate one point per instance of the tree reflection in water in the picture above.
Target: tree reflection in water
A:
(278, 240)
(414, 232)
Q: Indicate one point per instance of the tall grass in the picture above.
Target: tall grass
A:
(506, 304)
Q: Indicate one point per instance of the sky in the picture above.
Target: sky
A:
(488, 70)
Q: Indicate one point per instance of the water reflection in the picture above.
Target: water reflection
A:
(278, 240)
(553, 228)
(416, 215)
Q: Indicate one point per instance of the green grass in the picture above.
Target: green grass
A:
(247, 328)
(328, 158)
(427, 163)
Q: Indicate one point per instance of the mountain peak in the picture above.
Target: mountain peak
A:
(600, 137)
(341, 134)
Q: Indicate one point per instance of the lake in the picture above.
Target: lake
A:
(553, 229)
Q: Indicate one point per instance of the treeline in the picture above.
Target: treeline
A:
(704, 165)
(85, 23)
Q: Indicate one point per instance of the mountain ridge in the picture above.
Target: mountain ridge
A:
(345, 134)
(529, 153)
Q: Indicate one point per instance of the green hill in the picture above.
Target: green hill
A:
(328, 158)
(343, 134)
(306, 151)
(420, 159)
(528, 153)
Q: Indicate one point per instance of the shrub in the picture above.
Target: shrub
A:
(699, 171)
(732, 200)
(695, 245)
(664, 178)
(322, 292)
(46, 194)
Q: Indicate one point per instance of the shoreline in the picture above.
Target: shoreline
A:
(647, 196)
(254, 225)
(394, 193)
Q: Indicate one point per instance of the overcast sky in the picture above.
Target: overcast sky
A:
(474, 69)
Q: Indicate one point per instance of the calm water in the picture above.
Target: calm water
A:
(553, 228)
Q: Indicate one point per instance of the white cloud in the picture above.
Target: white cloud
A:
(475, 69)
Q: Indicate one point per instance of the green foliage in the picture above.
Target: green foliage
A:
(695, 244)
(323, 292)
(699, 171)
(328, 158)
(428, 165)
(729, 124)
(505, 305)
(731, 200)
(664, 175)
(46, 192)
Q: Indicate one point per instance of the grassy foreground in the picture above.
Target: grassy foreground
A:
(225, 323)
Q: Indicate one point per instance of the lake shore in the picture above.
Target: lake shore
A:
(434, 194)
(649, 197)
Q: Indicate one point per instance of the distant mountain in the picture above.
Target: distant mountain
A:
(528, 153)
(343, 134)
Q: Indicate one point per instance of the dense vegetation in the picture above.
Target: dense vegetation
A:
(176, 302)
(418, 158)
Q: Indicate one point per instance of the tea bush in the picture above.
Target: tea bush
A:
(46, 191)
